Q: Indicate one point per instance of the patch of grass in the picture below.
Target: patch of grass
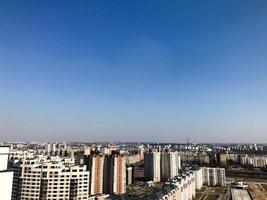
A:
(198, 195)
(220, 189)
(211, 197)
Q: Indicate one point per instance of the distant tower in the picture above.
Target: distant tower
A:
(188, 141)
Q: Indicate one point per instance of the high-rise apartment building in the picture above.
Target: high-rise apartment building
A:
(160, 166)
(198, 178)
(108, 173)
(95, 164)
(6, 176)
(221, 180)
(170, 165)
(47, 179)
(184, 187)
(119, 174)
(209, 176)
(152, 166)
(213, 176)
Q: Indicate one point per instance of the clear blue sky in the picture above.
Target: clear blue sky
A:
(133, 70)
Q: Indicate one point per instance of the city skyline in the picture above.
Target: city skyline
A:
(137, 71)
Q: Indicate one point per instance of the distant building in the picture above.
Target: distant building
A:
(6, 176)
(130, 175)
(141, 153)
(255, 161)
(87, 150)
(223, 159)
(206, 159)
(132, 159)
(226, 157)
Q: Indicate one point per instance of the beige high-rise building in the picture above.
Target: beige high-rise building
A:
(87, 150)
(108, 173)
(119, 174)
(223, 159)
(141, 152)
(95, 165)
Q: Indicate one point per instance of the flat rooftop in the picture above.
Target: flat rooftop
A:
(240, 194)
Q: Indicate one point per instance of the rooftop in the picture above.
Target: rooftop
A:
(240, 194)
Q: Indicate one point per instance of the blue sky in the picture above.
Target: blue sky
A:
(154, 71)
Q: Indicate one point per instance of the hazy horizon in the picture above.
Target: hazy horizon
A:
(151, 71)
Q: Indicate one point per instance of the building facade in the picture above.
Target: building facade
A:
(255, 161)
(108, 173)
(152, 166)
(6, 176)
(51, 179)
(183, 188)
(213, 176)
(161, 166)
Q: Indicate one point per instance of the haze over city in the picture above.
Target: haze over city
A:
(132, 71)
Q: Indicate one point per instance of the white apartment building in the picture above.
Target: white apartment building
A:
(160, 166)
(198, 178)
(43, 178)
(152, 166)
(255, 161)
(6, 177)
(170, 165)
(213, 176)
(184, 188)
(129, 175)
(209, 176)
